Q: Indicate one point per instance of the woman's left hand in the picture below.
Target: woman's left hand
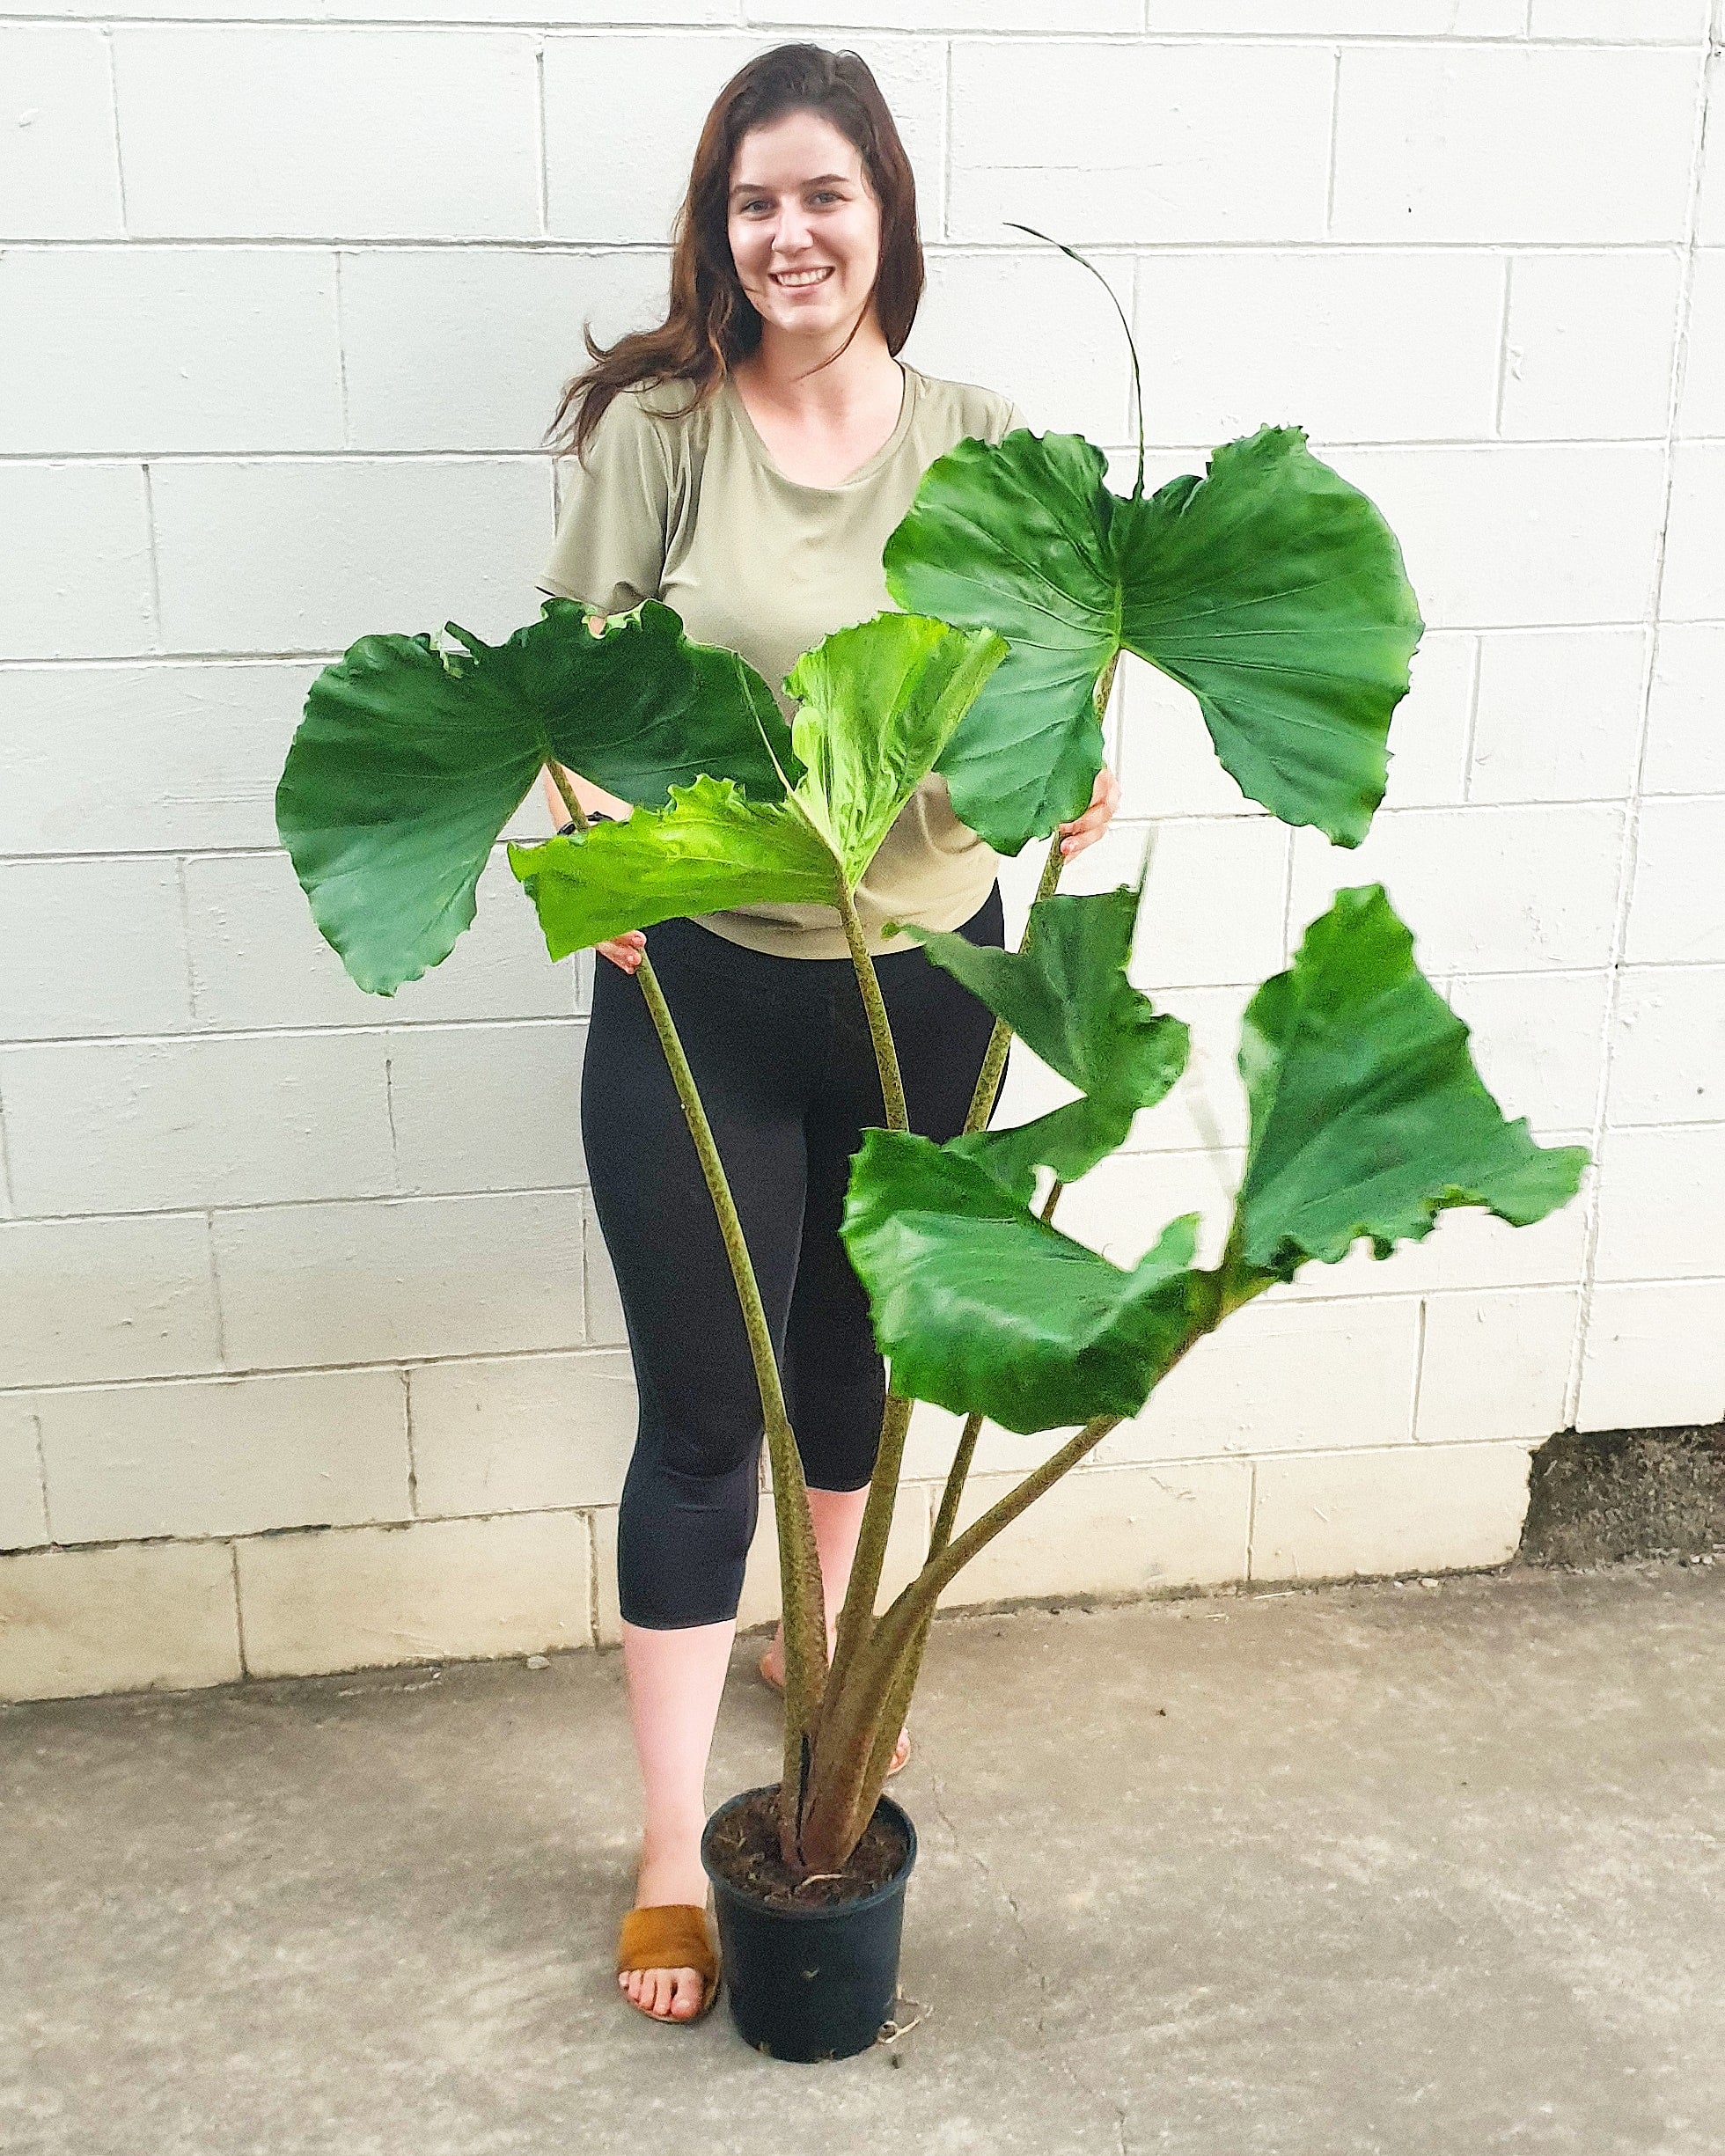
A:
(1088, 828)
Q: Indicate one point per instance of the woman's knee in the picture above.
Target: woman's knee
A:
(682, 1542)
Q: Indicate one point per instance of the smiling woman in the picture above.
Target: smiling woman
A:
(745, 463)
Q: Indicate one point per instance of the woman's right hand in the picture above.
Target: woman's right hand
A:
(626, 950)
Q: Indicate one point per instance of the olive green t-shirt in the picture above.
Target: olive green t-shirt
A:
(693, 510)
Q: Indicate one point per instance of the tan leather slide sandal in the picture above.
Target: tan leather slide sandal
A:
(671, 1935)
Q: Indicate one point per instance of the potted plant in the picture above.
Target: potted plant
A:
(1271, 588)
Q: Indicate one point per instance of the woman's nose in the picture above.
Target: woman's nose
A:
(793, 234)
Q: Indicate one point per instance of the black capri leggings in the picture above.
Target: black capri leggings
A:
(780, 1050)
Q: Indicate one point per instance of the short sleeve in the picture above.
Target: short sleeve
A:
(609, 550)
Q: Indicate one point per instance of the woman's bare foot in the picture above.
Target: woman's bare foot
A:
(773, 1668)
(673, 1875)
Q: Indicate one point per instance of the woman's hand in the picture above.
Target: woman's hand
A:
(1085, 830)
(626, 951)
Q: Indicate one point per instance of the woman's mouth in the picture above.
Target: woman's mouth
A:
(796, 280)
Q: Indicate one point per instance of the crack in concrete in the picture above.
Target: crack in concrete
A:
(1031, 1963)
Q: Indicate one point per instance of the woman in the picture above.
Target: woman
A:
(745, 463)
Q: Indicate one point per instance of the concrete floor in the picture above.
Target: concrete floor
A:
(1369, 1869)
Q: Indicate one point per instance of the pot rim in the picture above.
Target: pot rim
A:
(819, 1913)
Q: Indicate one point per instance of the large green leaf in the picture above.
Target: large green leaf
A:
(979, 1307)
(410, 761)
(1066, 997)
(711, 849)
(1271, 588)
(877, 704)
(1367, 1117)
(880, 702)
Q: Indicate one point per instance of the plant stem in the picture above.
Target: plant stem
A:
(857, 1614)
(962, 1455)
(799, 1555)
(880, 1032)
(577, 814)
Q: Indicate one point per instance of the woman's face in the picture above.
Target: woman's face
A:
(804, 226)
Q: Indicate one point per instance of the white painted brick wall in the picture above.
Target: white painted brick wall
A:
(285, 306)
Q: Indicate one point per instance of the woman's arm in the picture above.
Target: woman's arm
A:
(586, 793)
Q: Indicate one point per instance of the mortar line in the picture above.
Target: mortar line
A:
(891, 35)
(7, 1193)
(592, 1580)
(964, 246)
(215, 1290)
(341, 354)
(389, 1117)
(1475, 675)
(586, 1275)
(946, 142)
(596, 1352)
(1251, 1516)
(113, 109)
(253, 655)
(1503, 348)
(531, 454)
(42, 1478)
(577, 1353)
(1288, 900)
(408, 1429)
(238, 1608)
(1418, 1374)
(1335, 138)
(1132, 289)
(185, 936)
(1629, 852)
(540, 150)
(155, 560)
(383, 1031)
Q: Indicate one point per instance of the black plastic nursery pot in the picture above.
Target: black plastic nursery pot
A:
(812, 1984)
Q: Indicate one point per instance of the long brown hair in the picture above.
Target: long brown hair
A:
(711, 323)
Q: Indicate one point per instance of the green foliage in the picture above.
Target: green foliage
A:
(881, 700)
(1066, 997)
(980, 1306)
(712, 847)
(1367, 1117)
(877, 704)
(1271, 588)
(410, 761)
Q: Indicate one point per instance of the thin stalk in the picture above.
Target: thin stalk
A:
(962, 1455)
(1085, 263)
(874, 1004)
(559, 778)
(857, 1614)
(901, 1630)
(859, 1714)
(799, 1555)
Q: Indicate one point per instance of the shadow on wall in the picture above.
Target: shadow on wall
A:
(1624, 1493)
